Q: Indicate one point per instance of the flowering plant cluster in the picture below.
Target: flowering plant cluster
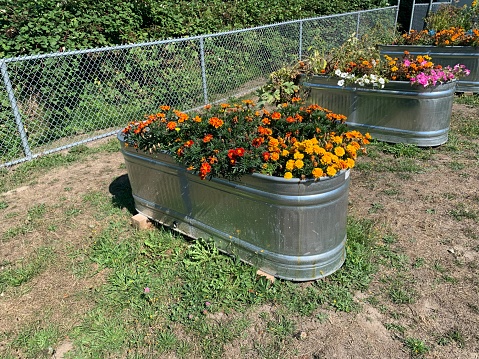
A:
(356, 62)
(452, 36)
(448, 26)
(418, 70)
(421, 70)
(229, 140)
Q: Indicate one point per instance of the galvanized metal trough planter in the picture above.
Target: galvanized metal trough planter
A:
(445, 56)
(292, 229)
(398, 113)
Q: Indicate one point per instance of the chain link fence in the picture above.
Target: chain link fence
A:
(55, 101)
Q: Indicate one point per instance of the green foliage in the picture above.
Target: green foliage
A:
(16, 274)
(42, 26)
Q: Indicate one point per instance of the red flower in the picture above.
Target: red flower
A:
(204, 170)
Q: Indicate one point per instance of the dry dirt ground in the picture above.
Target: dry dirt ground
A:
(432, 216)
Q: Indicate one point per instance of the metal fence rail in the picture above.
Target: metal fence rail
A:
(55, 101)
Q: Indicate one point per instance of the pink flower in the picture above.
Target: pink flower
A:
(146, 290)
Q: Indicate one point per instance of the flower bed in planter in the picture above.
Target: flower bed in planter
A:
(291, 229)
(398, 113)
(445, 56)
(268, 186)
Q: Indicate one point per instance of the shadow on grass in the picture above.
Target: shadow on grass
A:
(120, 188)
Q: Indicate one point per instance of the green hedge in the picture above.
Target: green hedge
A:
(43, 26)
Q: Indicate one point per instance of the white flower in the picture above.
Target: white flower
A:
(341, 83)
(337, 72)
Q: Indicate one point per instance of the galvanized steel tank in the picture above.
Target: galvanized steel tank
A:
(292, 229)
(398, 113)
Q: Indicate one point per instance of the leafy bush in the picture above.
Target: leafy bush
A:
(42, 26)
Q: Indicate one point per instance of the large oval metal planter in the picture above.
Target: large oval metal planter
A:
(295, 230)
(445, 56)
(398, 113)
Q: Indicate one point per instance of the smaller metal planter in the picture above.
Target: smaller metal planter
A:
(398, 113)
(445, 56)
(295, 230)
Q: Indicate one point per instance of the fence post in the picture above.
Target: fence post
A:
(203, 70)
(397, 14)
(16, 113)
(357, 25)
(300, 40)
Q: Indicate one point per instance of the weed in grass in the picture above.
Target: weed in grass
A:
(392, 191)
(166, 341)
(439, 267)
(401, 291)
(72, 212)
(375, 208)
(461, 212)
(36, 212)
(395, 328)
(403, 150)
(280, 326)
(13, 232)
(3, 205)
(37, 340)
(464, 99)
(417, 348)
(103, 333)
(456, 166)
(322, 317)
(452, 335)
(418, 262)
(449, 196)
(16, 274)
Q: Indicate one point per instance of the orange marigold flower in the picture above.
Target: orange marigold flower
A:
(165, 107)
(171, 125)
(207, 138)
(274, 156)
(275, 115)
(215, 122)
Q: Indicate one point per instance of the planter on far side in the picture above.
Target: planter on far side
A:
(292, 229)
(445, 56)
(398, 113)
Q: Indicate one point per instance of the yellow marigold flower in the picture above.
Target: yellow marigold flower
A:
(317, 172)
(319, 150)
(331, 171)
(339, 151)
(285, 153)
(327, 158)
(298, 164)
(298, 156)
(290, 165)
(288, 175)
(394, 68)
(350, 162)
